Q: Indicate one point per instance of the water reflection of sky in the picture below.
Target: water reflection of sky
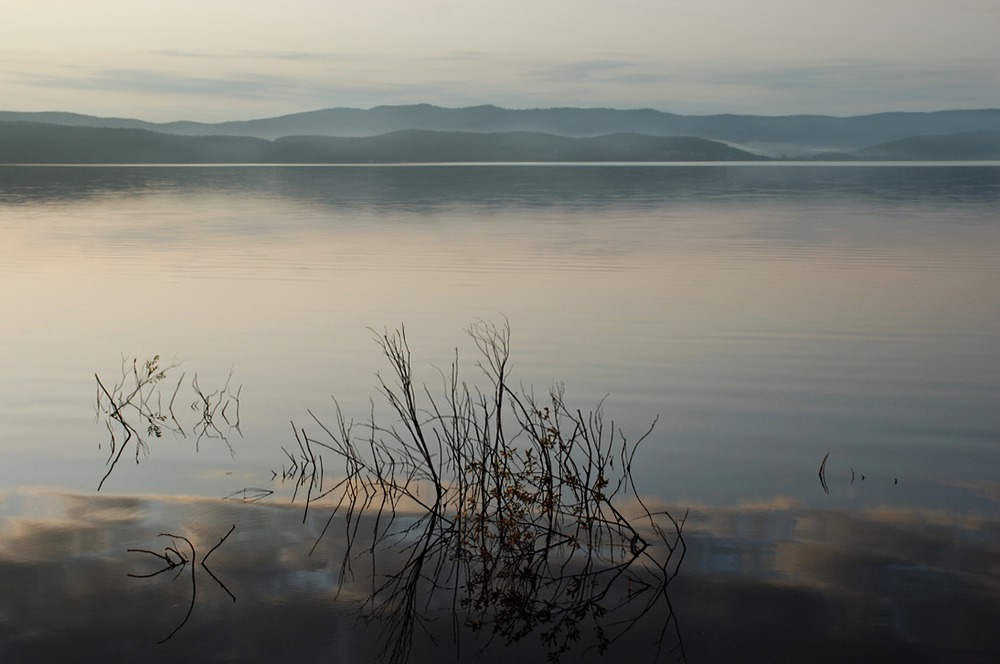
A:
(758, 583)
(767, 315)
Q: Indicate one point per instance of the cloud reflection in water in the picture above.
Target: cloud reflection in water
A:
(760, 583)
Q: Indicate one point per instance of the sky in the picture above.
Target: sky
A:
(213, 60)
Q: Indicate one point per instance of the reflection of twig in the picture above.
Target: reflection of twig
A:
(123, 399)
(822, 474)
(204, 562)
(305, 470)
(135, 403)
(181, 562)
(854, 475)
(519, 521)
(215, 403)
(174, 559)
(250, 494)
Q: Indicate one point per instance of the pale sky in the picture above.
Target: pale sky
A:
(215, 60)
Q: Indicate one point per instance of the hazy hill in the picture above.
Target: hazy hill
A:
(435, 146)
(966, 146)
(37, 143)
(794, 133)
(30, 142)
(774, 135)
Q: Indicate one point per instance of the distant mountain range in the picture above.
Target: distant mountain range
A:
(965, 146)
(33, 142)
(425, 133)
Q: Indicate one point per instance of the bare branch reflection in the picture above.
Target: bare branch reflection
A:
(506, 513)
(138, 409)
(174, 559)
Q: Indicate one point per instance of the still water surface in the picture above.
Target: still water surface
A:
(766, 314)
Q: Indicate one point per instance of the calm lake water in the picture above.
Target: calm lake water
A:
(764, 316)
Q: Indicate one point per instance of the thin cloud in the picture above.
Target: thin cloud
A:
(150, 81)
(462, 56)
(177, 53)
(610, 73)
(856, 74)
(849, 86)
(578, 69)
(285, 56)
(643, 79)
(798, 77)
(255, 95)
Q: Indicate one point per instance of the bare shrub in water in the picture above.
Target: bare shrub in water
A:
(522, 524)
